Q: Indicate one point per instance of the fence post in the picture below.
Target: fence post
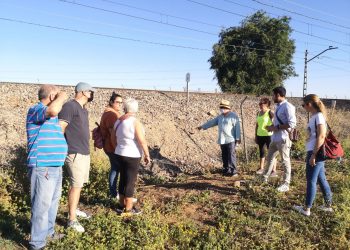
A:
(244, 142)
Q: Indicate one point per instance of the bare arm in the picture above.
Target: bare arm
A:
(140, 136)
(321, 135)
(56, 105)
(63, 125)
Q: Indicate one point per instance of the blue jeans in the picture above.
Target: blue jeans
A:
(45, 193)
(228, 154)
(316, 174)
(113, 175)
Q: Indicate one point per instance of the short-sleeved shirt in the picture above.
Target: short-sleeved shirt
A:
(46, 144)
(315, 120)
(285, 111)
(77, 131)
(108, 119)
(263, 121)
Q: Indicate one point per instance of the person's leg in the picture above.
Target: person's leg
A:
(267, 143)
(122, 180)
(55, 172)
(131, 177)
(224, 157)
(113, 175)
(284, 150)
(42, 190)
(232, 159)
(73, 200)
(312, 173)
(77, 170)
(270, 159)
(261, 143)
(325, 188)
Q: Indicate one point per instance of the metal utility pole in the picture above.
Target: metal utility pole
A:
(305, 67)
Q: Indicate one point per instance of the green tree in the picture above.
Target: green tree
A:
(254, 57)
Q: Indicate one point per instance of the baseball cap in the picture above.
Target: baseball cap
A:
(83, 86)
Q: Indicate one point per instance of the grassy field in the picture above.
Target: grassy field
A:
(206, 211)
(193, 212)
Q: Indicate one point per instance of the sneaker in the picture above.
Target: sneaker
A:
(264, 179)
(273, 174)
(283, 188)
(82, 214)
(75, 225)
(260, 171)
(119, 209)
(301, 210)
(326, 209)
(132, 212)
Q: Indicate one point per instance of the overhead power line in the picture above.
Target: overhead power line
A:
(102, 35)
(301, 32)
(151, 20)
(162, 13)
(300, 14)
(315, 10)
(216, 8)
(294, 19)
(137, 17)
(334, 67)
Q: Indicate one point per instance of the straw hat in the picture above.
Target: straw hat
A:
(225, 104)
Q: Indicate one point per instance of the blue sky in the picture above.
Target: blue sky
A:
(31, 53)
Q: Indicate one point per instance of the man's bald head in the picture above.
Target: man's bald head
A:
(46, 90)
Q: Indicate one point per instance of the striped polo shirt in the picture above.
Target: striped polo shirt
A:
(47, 146)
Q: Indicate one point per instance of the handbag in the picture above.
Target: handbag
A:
(331, 148)
(293, 133)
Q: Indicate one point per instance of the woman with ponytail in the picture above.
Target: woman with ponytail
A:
(315, 162)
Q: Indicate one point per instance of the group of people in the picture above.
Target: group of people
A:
(272, 131)
(58, 133)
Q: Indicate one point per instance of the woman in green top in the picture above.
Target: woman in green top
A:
(262, 136)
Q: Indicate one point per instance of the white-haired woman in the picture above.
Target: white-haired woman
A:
(131, 144)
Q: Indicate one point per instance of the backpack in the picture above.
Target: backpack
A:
(97, 137)
(331, 148)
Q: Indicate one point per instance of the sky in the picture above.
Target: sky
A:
(152, 44)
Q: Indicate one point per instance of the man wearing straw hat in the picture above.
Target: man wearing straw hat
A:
(229, 134)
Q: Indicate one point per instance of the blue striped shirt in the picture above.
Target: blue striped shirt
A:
(47, 146)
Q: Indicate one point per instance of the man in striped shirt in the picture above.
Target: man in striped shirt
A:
(47, 150)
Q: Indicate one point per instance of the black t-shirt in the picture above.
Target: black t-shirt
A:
(77, 131)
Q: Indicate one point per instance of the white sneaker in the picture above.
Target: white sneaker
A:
(326, 209)
(283, 188)
(82, 214)
(75, 225)
(301, 210)
(260, 171)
